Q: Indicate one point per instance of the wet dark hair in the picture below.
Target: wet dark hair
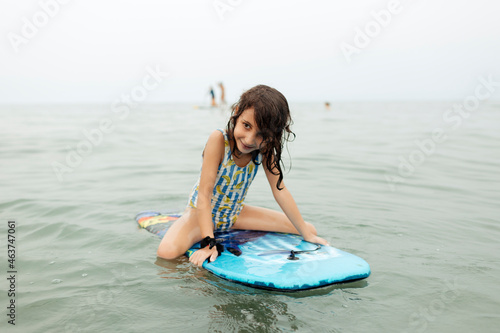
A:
(272, 116)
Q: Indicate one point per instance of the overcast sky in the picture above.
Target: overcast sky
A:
(93, 51)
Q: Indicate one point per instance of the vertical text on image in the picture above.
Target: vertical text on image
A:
(11, 271)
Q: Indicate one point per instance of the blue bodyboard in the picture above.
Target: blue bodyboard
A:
(269, 260)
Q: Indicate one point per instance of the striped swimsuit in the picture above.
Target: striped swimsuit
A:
(231, 186)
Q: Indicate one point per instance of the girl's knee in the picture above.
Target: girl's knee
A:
(168, 252)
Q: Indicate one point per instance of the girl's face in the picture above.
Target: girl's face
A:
(246, 133)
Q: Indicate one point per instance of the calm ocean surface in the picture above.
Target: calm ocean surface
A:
(410, 187)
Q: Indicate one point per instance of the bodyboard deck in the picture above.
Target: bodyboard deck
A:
(265, 260)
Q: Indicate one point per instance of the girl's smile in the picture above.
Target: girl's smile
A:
(245, 147)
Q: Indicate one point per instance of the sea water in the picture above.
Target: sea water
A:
(409, 186)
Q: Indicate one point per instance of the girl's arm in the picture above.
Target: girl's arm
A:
(285, 200)
(212, 157)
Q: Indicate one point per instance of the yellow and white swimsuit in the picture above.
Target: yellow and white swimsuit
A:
(231, 186)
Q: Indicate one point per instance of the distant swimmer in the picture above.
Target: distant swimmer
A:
(327, 106)
(222, 94)
(213, 96)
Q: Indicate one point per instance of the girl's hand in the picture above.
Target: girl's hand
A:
(199, 257)
(316, 240)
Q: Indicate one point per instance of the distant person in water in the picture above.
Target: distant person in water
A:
(327, 106)
(213, 97)
(222, 94)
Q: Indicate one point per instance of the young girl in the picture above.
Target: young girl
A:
(255, 135)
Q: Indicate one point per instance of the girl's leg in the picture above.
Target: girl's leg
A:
(180, 237)
(264, 219)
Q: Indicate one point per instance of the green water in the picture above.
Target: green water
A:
(423, 213)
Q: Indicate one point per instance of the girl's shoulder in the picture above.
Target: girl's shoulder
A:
(216, 144)
(218, 136)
